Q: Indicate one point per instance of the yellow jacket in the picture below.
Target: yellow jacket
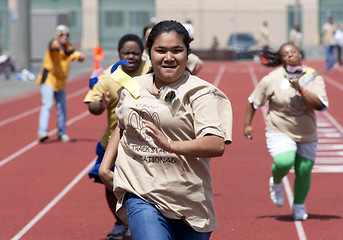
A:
(55, 67)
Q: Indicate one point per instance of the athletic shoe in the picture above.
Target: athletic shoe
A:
(299, 212)
(64, 138)
(118, 232)
(42, 137)
(276, 192)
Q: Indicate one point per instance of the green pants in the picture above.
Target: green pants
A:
(283, 162)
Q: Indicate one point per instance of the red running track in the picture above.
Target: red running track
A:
(46, 192)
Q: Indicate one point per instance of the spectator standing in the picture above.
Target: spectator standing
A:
(52, 78)
(194, 63)
(339, 43)
(264, 35)
(189, 27)
(295, 37)
(215, 43)
(328, 39)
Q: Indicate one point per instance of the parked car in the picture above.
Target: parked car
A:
(244, 46)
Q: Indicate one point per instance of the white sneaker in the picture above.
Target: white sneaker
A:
(64, 138)
(276, 192)
(42, 137)
(299, 212)
(118, 232)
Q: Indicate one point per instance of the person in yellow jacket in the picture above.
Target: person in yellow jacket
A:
(52, 78)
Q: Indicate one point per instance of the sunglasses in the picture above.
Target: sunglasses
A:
(64, 34)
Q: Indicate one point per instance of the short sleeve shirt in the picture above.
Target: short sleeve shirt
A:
(107, 84)
(180, 187)
(287, 111)
(328, 31)
(192, 61)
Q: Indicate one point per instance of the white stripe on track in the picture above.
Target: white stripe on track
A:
(36, 109)
(51, 204)
(19, 116)
(34, 143)
(333, 82)
(288, 189)
(333, 121)
(219, 76)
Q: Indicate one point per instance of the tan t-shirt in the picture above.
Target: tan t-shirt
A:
(295, 37)
(104, 84)
(328, 31)
(180, 187)
(287, 112)
(192, 61)
(264, 36)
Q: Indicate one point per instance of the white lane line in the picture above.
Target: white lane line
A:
(327, 169)
(329, 160)
(323, 124)
(330, 140)
(329, 135)
(19, 116)
(34, 143)
(36, 109)
(51, 204)
(219, 76)
(331, 146)
(336, 153)
(333, 82)
(333, 121)
(326, 130)
(289, 193)
(288, 190)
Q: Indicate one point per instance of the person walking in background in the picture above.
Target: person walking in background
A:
(52, 78)
(293, 93)
(264, 35)
(194, 63)
(146, 32)
(264, 41)
(189, 27)
(339, 43)
(215, 43)
(163, 144)
(103, 96)
(295, 37)
(328, 39)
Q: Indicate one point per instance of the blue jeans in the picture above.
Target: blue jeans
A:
(329, 56)
(147, 223)
(48, 96)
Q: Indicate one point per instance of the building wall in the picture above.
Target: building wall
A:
(4, 26)
(90, 24)
(117, 17)
(222, 17)
(103, 22)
